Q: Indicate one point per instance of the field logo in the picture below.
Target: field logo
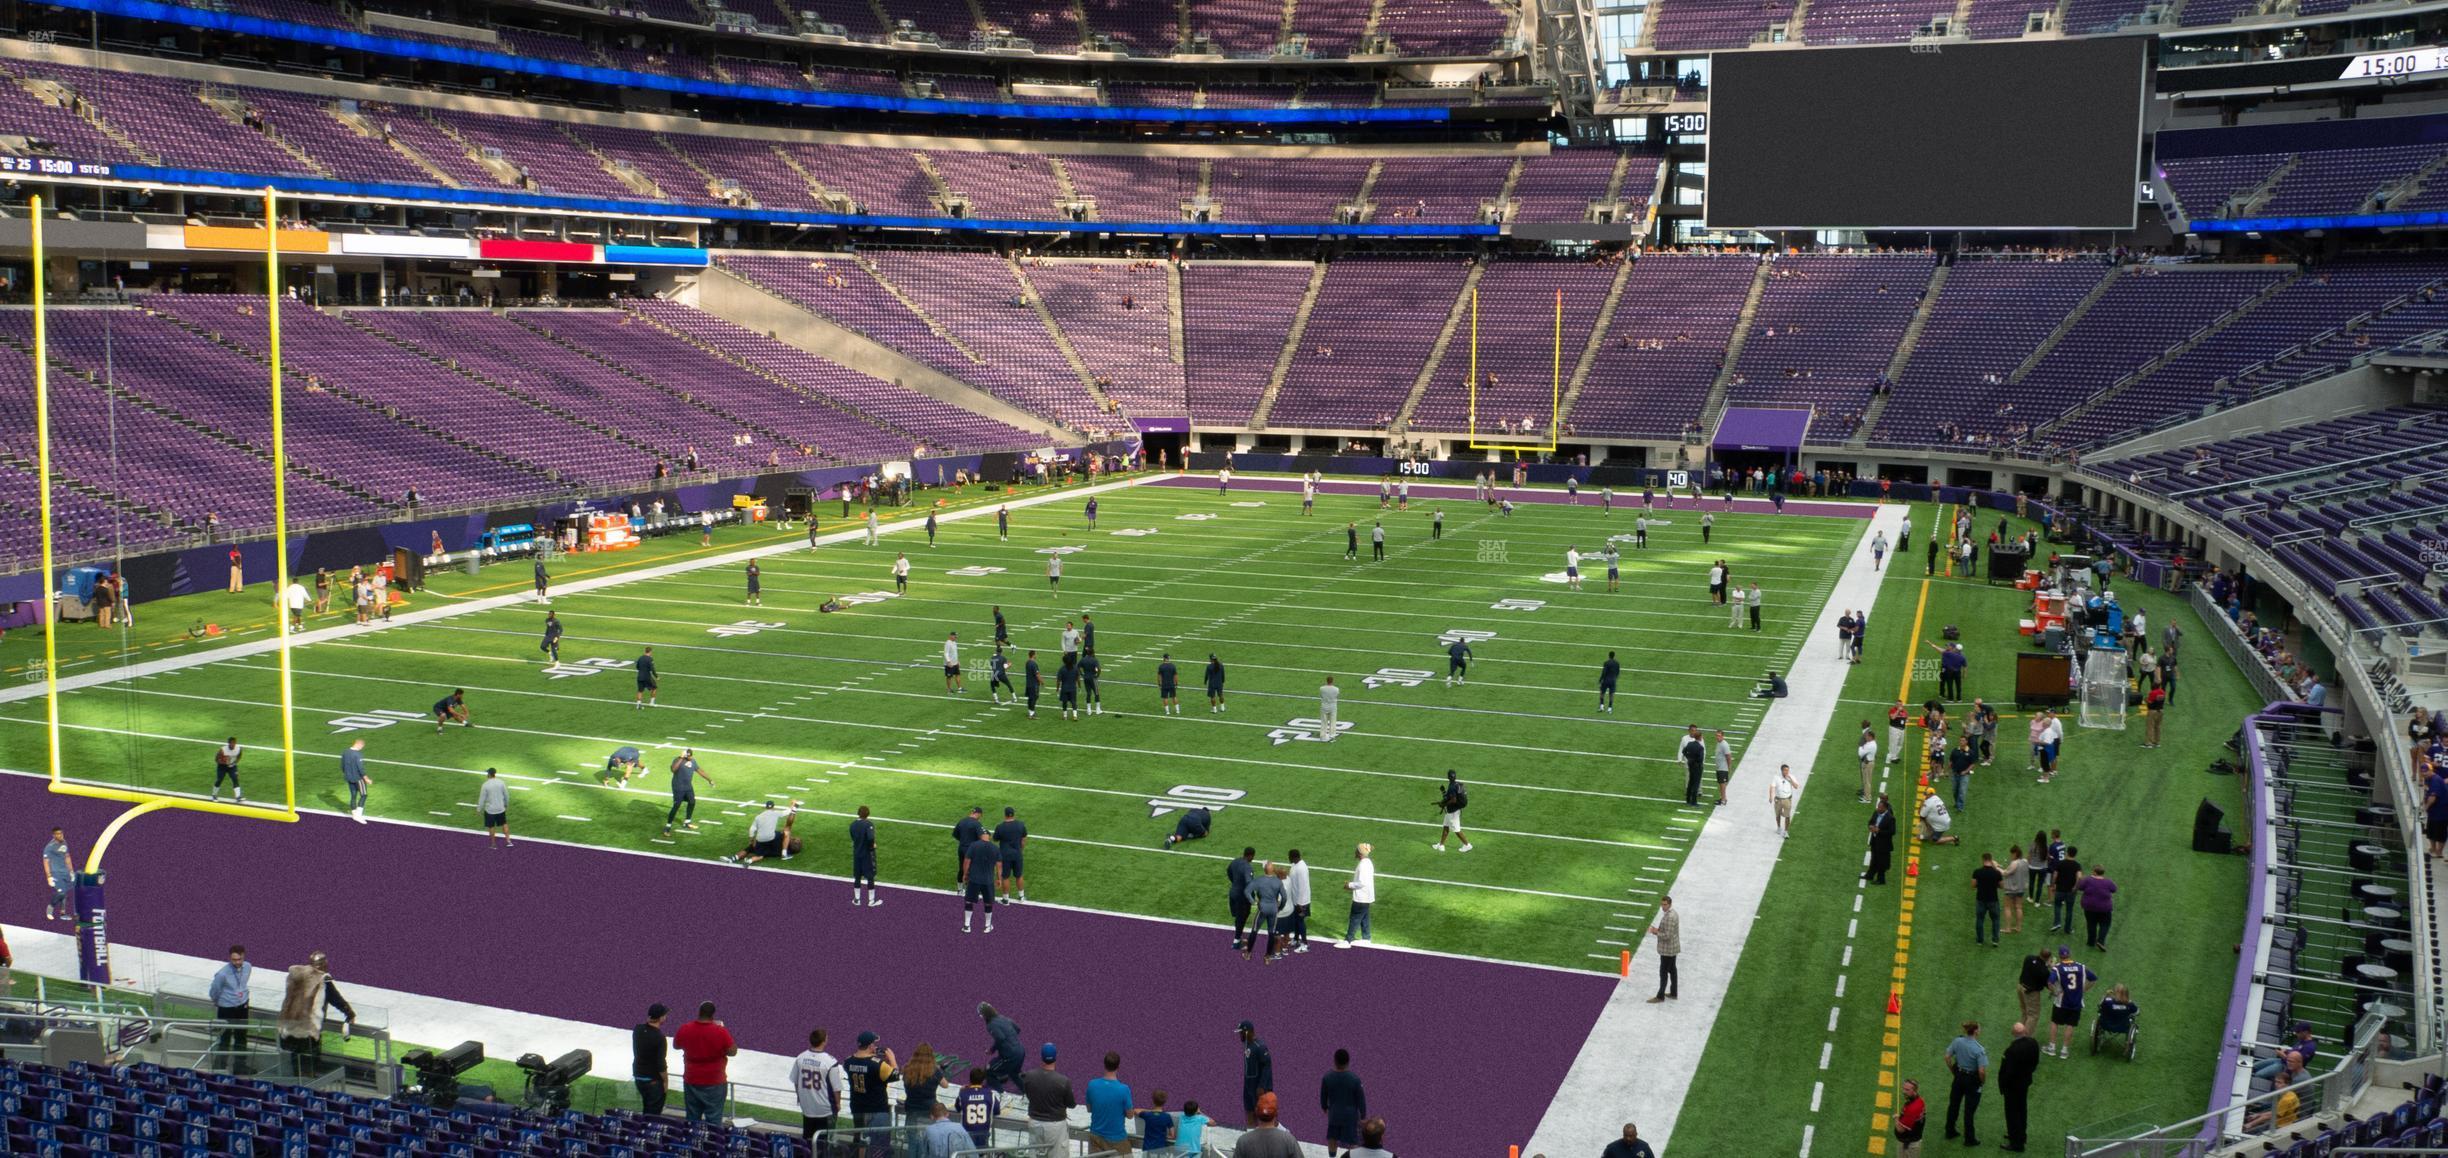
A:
(1064, 550)
(1465, 635)
(584, 667)
(1194, 517)
(863, 599)
(1397, 677)
(381, 718)
(1250, 503)
(974, 571)
(1183, 797)
(1517, 605)
(1303, 728)
(744, 627)
(1135, 532)
(1492, 551)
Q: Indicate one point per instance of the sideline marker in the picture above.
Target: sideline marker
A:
(1626, 968)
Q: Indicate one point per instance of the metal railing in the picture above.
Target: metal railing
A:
(2330, 1092)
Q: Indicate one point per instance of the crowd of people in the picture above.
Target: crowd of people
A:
(846, 1102)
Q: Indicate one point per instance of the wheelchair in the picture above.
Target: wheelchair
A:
(2117, 1023)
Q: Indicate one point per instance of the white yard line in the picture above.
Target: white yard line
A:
(35, 690)
(1639, 1060)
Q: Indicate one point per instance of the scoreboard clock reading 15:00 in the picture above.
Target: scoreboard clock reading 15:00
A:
(1685, 124)
(2388, 66)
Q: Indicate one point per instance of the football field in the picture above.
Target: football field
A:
(1576, 818)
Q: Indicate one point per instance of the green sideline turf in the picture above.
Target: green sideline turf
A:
(1577, 817)
(1762, 1080)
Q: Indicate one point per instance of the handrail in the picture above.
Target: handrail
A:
(2197, 1136)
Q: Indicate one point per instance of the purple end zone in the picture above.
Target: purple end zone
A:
(1625, 500)
(594, 935)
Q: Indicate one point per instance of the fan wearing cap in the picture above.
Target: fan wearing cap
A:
(870, 1076)
(1049, 1103)
(1257, 1070)
(1265, 1138)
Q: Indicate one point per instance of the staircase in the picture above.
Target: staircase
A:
(1734, 346)
(348, 394)
(1054, 330)
(234, 110)
(1291, 347)
(911, 304)
(2170, 354)
(2251, 200)
(2065, 325)
(1920, 320)
(1062, 179)
(628, 175)
(364, 126)
(1597, 339)
(772, 437)
(1911, 341)
(1368, 190)
(128, 507)
(1283, 30)
(883, 19)
(815, 186)
(61, 96)
(778, 380)
(1961, 25)
(1206, 185)
(1173, 314)
(565, 414)
(501, 169)
(1436, 353)
(934, 176)
(2413, 181)
(1615, 180)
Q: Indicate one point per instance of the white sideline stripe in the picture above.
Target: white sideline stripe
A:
(1639, 1060)
(435, 614)
(999, 781)
(915, 890)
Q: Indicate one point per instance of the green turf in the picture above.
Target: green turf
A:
(1570, 809)
(2178, 912)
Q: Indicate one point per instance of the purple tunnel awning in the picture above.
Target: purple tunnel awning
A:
(1758, 429)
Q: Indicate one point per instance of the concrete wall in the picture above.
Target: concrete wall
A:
(2353, 392)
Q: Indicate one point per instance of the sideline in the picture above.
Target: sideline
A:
(270, 644)
(1639, 1060)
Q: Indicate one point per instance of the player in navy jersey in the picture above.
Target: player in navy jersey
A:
(964, 834)
(1193, 825)
(1457, 663)
(451, 707)
(1091, 702)
(648, 684)
(684, 776)
(1011, 837)
(998, 679)
(863, 860)
(1215, 684)
(624, 763)
(756, 584)
(1031, 683)
(1168, 686)
(551, 645)
(1606, 683)
(979, 866)
(543, 581)
(1066, 686)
